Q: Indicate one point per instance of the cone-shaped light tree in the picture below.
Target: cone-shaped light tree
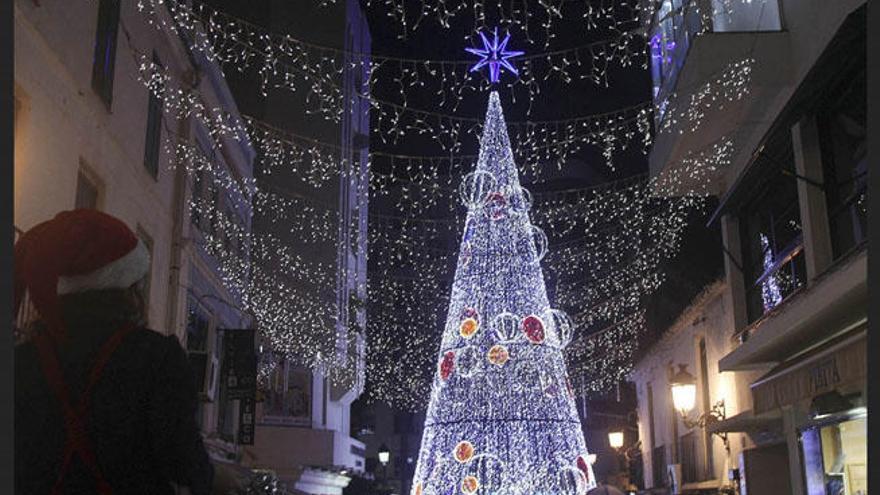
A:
(502, 416)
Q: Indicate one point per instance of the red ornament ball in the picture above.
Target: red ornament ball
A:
(498, 355)
(533, 327)
(470, 484)
(469, 313)
(584, 466)
(468, 328)
(497, 204)
(447, 365)
(464, 451)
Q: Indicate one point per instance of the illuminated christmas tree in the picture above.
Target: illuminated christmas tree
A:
(502, 417)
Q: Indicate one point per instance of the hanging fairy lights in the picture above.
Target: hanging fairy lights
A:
(622, 234)
(283, 61)
(629, 230)
(608, 14)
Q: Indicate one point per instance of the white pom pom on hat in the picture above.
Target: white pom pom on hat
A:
(77, 251)
(118, 274)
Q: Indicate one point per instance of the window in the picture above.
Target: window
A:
(148, 243)
(676, 23)
(154, 129)
(87, 190)
(105, 50)
(198, 194)
(658, 466)
(688, 448)
(842, 130)
(215, 228)
(770, 220)
(289, 397)
(835, 458)
(225, 405)
(745, 15)
(198, 326)
(707, 406)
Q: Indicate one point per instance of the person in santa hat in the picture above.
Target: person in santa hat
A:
(102, 404)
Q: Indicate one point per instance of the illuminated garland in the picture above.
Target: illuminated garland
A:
(604, 13)
(409, 272)
(283, 61)
(501, 417)
(630, 231)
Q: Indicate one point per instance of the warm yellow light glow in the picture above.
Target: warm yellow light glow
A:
(384, 454)
(615, 439)
(684, 390)
(684, 396)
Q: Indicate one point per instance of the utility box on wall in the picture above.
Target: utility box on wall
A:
(764, 471)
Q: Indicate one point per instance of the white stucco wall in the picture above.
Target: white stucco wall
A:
(64, 123)
(709, 318)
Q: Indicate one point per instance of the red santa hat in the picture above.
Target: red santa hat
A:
(77, 251)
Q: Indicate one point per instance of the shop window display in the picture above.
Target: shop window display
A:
(835, 458)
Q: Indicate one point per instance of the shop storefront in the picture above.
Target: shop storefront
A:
(835, 456)
(825, 387)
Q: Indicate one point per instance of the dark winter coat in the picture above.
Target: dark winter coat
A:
(141, 421)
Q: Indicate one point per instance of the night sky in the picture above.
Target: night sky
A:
(699, 261)
(627, 86)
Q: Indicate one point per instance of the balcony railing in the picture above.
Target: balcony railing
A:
(677, 23)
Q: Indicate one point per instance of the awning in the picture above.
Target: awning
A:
(842, 361)
(700, 486)
(749, 422)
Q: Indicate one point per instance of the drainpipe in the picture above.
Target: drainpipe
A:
(179, 216)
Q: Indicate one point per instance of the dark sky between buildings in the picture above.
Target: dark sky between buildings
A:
(699, 261)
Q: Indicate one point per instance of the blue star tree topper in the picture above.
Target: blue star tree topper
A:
(495, 55)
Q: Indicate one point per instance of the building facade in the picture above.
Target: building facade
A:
(303, 417)
(400, 432)
(793, 216)
(90, 134)
(701, 461)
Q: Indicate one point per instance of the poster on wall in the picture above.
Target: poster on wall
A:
(240, 364)
(246, 421)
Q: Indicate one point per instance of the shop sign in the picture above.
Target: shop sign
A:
(807, 379)
(246, 421)
(240, 364)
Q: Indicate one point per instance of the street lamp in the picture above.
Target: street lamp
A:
(624, 454)
(684, 398)
(615, 439)
(384, 454)
(684, 390)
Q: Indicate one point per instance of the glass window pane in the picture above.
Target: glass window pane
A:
(843, 134)
(835, 458)
(746, 15)
(86, 192)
